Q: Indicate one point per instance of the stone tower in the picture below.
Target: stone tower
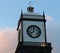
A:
(32, 33)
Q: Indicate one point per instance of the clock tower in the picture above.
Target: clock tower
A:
(32, 33)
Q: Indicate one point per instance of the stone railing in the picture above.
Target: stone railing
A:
(37, 44)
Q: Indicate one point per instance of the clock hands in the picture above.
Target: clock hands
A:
(34, 31)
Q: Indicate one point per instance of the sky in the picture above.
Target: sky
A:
(10, 13)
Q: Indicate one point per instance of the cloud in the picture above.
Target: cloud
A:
(53, 32)
(8, 40)
(49, 18)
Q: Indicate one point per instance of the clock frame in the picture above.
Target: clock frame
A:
(33, 31)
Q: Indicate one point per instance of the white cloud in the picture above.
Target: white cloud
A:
(8, 40)
(49, 18)
(53, 32)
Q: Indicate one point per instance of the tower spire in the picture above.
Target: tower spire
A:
(43, 14)
(30, 3)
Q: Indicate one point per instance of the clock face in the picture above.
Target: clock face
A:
(33, 31)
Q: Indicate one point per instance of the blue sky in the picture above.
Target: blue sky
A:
(10, 13)
(10, 10)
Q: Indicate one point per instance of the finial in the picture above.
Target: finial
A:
(30, 3)
(21, 14)
(43, 14)
(30, 8)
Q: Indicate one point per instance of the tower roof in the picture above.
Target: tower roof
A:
(30, 9)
